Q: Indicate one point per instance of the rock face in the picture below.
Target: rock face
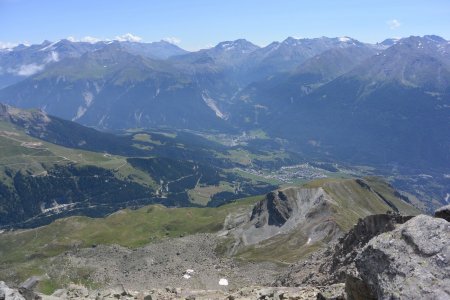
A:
(443, 213)
(409, 262)
(283, 210)
(333, 264)
(7, 293)
(307, 210)
(350, 245)
(383, 257)
(3, 111)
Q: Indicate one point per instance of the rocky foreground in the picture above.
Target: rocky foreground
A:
(384, 256)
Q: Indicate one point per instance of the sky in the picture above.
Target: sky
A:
(196, 24)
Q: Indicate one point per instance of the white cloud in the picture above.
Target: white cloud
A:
(7, 45)
(172, 40)
(52, 57)
(128, 38)
(393, 24)
(87, 39)
(91, 39)
(27, 70)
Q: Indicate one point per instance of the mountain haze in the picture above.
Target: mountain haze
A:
(332, 98)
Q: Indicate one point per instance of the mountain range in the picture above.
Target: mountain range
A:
(384, 104)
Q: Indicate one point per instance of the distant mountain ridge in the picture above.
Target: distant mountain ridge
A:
(22, 61)
(323, 95)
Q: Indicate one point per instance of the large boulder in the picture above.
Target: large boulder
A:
(410, 262)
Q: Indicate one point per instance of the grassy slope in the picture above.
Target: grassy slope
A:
(17, 155)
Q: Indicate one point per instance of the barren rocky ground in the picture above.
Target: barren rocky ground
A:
(186, 262)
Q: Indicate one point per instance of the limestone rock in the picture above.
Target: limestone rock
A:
(409, 262)
(9, 294)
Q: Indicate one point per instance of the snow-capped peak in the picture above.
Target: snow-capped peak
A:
(49, 46)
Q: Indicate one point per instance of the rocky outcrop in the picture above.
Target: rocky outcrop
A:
(311, 216)
(443, 213)
(3, 111)
(410, 262)
(307, 210)
(334, 263)
(24, 292)
(7, 293)
(383, 257)
(348, 247)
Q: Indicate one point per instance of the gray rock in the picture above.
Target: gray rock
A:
(8, 293)
(332, 265)
(27, 287)
(409, 262)
(443, 213)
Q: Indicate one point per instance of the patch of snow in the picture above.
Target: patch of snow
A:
(48, 47)
(226, 44)
(309, 241)
(223, 281)
(188, 273)
(212, 105)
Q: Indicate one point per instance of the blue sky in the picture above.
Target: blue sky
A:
(195, 24)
